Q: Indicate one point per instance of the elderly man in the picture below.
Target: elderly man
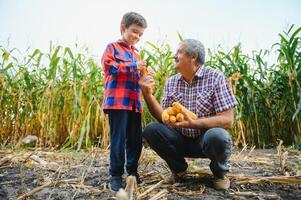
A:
(205, 92)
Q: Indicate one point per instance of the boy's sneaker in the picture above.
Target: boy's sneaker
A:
(221, 183)
(115, 183)
(138, 178)
(175, 177)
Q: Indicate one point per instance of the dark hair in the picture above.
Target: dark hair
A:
(195, 47)
(133, 18)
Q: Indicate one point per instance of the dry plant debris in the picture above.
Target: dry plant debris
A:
(85, 174)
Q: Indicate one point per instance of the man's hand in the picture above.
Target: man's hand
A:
(187, 123)
(146, 83)
(222, 120)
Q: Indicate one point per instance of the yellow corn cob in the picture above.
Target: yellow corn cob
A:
(172, 119)
(165, 116)
(171, 111)
(182, 109)
(180, 117)
(144, 71)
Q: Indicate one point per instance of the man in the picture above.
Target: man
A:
(205, 92)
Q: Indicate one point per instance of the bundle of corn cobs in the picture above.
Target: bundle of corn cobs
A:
(175, 113)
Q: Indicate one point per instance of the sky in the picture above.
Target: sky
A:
(95, 23)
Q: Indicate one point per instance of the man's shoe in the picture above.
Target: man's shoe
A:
(175, 177)
(115, 183)
(221, 183)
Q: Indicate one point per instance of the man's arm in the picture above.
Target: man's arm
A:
(223, 119)
(146, 82)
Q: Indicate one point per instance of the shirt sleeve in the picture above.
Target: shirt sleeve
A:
(223, 97)
(165, 100)
(114, 67)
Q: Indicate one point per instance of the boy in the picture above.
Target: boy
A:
(122, 102)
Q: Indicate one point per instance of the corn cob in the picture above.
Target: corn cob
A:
(175, 113)
(182, 109)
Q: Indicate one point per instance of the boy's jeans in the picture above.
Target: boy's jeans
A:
(172, 146)
(125, 141)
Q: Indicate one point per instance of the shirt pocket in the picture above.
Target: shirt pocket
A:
(120, 58)
(204, 104)
(130, 67)
(173, 97)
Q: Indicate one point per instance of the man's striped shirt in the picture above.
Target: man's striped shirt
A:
(206, 95)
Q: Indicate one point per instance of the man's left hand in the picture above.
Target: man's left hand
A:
(187, 123)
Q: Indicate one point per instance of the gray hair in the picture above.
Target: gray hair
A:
(133, 18)
(195, 47)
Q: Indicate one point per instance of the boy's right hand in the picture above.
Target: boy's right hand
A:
(140, 65)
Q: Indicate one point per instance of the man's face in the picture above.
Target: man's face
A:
(182, 60)
(131, 34)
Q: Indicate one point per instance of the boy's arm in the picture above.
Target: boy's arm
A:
(111, 66)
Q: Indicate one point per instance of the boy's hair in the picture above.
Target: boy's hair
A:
(133, 18)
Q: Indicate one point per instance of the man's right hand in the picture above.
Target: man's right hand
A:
(146, 83)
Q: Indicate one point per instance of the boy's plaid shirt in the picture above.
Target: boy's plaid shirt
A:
(207, 95)
(121, 89)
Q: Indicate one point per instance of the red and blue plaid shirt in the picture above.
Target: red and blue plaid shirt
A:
(121, 89)
(207, 95)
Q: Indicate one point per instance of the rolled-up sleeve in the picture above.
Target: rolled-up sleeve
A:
(223, 97)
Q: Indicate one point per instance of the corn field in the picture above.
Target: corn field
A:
(57, 95)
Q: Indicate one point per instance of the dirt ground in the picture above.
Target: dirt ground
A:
(50, 174)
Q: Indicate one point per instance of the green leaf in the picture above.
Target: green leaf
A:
(5, 56)
(180, 37)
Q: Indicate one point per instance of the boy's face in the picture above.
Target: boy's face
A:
(131, 34)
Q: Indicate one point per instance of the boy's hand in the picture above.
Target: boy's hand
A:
(150, 72)
(140, 65)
